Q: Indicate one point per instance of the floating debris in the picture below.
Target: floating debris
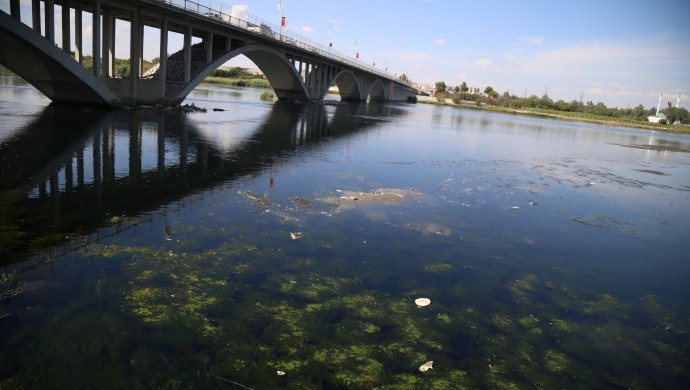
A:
(385, 196)
(296, 236)
(426, 366)
(515, 208)
(421, 302)
(280, 373)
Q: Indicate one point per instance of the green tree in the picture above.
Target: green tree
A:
(675, 114)
(441, 86)
(463, 89)
(546, 102)
(488, 91)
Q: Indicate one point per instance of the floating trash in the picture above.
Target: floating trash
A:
(280, 373)
(515, 208)
(296, 236)
(421, 302)
(426, 366)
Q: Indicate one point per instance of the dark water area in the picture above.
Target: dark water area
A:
(223, 249)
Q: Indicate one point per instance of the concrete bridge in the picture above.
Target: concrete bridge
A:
(298, 69)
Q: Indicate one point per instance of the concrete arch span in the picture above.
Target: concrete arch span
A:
(50, 70)
(377, 92)
(282, 75)
(348, 86)
(358, 88)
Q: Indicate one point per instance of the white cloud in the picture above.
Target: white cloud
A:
(483, 63)
(530, 41)
(307, 29)
(439, 41)
(595, 91)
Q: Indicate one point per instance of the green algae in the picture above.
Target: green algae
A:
(444, 318)
(556, 361)
(439, 268)
(353, 365)
(561, 325)
(256, 310)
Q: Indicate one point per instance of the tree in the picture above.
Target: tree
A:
(488, 91)
(546, 102)
(675, 114)
(463, 88)
(404, 77)
(441, 86)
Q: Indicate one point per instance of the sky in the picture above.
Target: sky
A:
(619, 52)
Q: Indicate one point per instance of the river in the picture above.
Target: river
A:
(267, 245)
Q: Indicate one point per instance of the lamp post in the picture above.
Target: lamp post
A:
(282, 19)
(330, 35)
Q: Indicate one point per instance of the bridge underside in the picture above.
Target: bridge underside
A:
(295, 71)
(44, 66)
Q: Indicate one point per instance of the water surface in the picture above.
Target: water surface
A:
(146, 249)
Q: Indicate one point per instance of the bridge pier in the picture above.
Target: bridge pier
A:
(296, 69)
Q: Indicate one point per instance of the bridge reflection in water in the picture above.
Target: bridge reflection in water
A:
(89, 168)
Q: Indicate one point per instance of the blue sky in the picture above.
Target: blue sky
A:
(622, 53)
(617, 52)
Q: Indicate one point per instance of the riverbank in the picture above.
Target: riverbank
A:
(253, 83)
(565, 116)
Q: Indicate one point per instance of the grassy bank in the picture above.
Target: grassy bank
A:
(566, 116)
(252, 83)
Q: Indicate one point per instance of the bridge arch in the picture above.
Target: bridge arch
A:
(377, 92)
(279, 72)
(348, 86)
(49, 69)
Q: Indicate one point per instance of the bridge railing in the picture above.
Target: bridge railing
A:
(265, 28)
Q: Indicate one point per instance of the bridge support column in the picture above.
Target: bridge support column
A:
(66, 27)
(187, 54)
(108, 45)
(134, 55)
(78, 36)
(15, 9)
(163, 56)
(36, 15)
(208, 44)
(96, 39)
(50, 20)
